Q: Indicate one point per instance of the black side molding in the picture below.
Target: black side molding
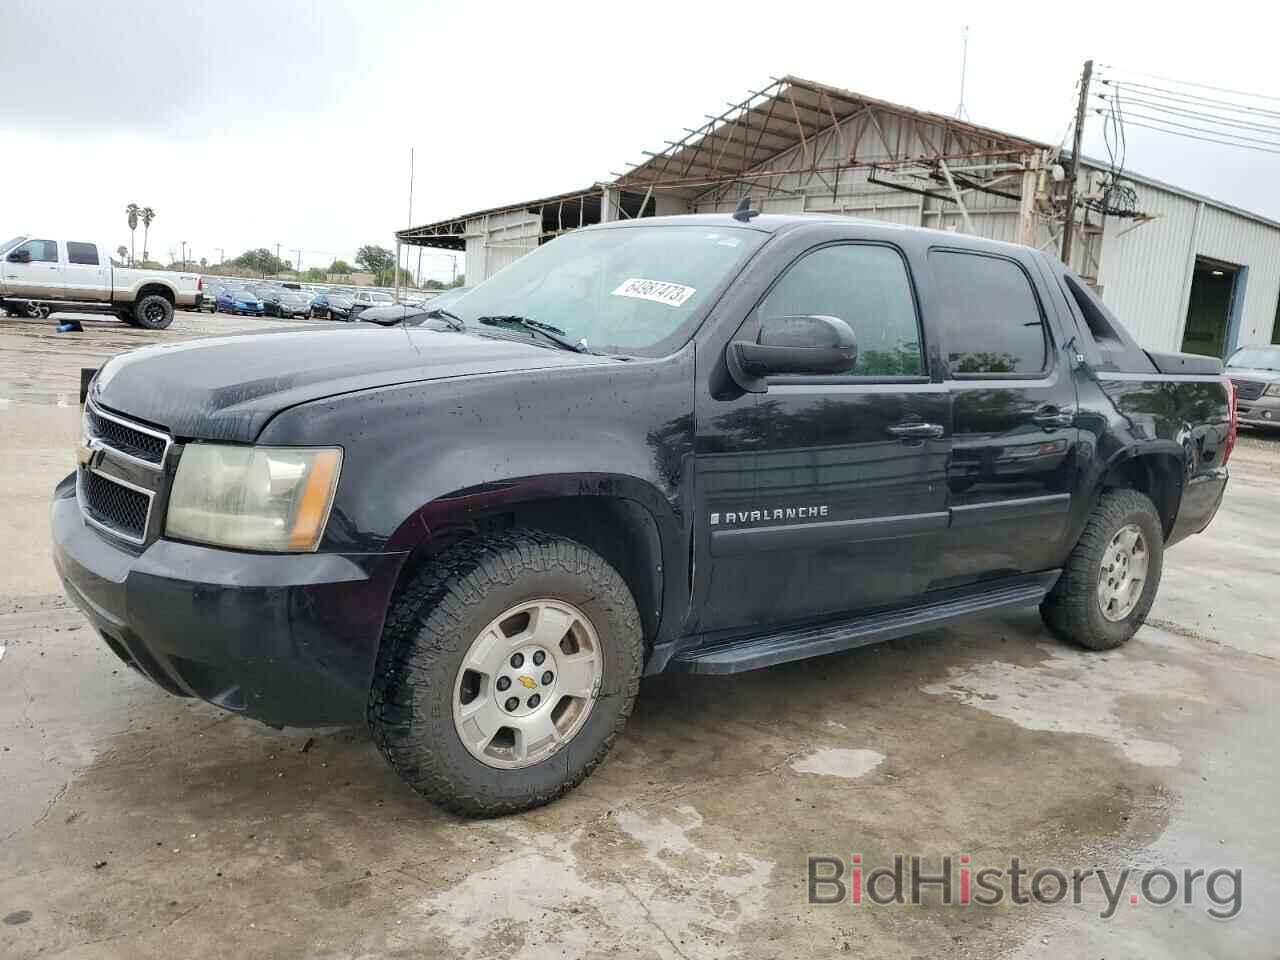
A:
(737, 656)
(974, 514)
(805, 536)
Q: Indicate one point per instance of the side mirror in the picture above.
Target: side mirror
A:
(20, 256)
(813, 344)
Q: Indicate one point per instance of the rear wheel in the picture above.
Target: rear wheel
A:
(508, 668)
(1110, 580)
(153, 312)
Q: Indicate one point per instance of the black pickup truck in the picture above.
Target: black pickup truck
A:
(706, 443)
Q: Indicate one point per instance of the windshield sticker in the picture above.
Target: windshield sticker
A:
(672, 294)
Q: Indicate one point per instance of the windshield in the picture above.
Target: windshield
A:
(1256, 358)
(382, 298)
(631, 290)
(8, 244)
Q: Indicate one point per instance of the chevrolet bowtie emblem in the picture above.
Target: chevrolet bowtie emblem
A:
(528, 683)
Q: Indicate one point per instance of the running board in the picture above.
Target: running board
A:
(737, 656)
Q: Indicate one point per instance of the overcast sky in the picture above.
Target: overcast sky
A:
(247, 124)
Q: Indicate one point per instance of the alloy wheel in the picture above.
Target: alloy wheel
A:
(527, 684)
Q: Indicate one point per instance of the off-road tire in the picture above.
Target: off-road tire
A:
(1071, 610)
(153, 312)
(432, 623)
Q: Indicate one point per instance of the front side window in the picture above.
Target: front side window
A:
(631, 290)
(867, 287)
(83, 253)
(42, 251)
(990, 318)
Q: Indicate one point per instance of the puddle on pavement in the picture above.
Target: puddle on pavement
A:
(1074, 692)
(838, 762)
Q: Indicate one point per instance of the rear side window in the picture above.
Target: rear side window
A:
(867, 287)
(42, 251)
(86, 253)
(991, 320)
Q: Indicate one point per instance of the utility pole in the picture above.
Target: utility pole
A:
(221, 255)
(1069, 225)
(277, 253)
(184, 255)
(297, 264)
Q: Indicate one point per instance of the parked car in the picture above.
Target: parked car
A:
(413, 315)
(338, 306)
(293, 303)
(239, 300)
(320, 304)
(364, 299)
(1255, 371)
(44, 275)
(208, 299)
(705, 443)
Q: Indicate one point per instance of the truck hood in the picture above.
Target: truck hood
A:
(227, 388)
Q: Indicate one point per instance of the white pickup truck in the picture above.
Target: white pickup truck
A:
(40, 275)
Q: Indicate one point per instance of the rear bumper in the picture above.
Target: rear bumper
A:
(289, 639)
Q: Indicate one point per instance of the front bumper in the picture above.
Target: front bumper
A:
(289, 639)
(1262, 412)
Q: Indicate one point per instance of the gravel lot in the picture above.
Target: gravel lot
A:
(134, 824)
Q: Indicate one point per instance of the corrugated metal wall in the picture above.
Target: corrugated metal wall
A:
(495, 240)
(1146, 269)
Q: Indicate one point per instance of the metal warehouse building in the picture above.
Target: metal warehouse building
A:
(1182, 271)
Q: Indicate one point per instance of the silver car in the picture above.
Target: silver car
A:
(1255, 371)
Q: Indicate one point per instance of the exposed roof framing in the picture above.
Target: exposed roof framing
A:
(738, 144)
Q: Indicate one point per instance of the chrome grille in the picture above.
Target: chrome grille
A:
(1249, 389)
(121, 473)
(118, 508)
(127, 439)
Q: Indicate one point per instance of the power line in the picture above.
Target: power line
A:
(1189, 83)
(1220, 133)
(1178, 111)
(1191, 136)
(1190, 99)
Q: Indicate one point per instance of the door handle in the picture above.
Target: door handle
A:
(1053, 417)
(917, 431)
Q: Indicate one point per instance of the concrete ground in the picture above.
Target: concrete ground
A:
(134, 824)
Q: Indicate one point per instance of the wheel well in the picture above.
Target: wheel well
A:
(622, 531)
(1159, 476)
(159, 288)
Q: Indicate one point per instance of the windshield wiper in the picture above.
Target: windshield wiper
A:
(448, 316)
(554, 334)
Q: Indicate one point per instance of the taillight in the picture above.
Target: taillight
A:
(199, 284)
(1233, 424)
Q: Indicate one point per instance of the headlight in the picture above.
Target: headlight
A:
(256, 498)
(1272, 391)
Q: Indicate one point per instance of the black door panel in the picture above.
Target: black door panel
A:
(1013, 457)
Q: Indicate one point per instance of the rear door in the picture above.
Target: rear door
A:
(86, 274)
(1013, 400)
(39, 277)
(826, 495)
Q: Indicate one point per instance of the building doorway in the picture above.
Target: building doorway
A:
(1213, 310)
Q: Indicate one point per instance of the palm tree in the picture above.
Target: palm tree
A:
(124, 253)
(147, 215)
(131, 212)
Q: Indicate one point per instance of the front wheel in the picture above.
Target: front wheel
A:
(1110, 580)
(508, 668)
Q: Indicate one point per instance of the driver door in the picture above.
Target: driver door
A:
(32, 270)
(838, 504)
